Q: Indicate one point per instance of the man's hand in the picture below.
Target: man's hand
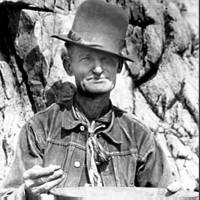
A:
(40, 180)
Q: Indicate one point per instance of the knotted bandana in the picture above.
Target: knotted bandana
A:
(95, 153)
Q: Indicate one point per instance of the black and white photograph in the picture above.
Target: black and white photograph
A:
(99, 100)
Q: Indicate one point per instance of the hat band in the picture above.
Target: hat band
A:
(74, 36)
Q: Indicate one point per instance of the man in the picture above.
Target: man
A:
(87, 140)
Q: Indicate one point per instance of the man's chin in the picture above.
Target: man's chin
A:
(97, 91)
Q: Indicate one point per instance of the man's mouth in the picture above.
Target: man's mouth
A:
(96, 79)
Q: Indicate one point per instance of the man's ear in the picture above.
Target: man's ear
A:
(120, 66)
(67, 66)
(66, 61)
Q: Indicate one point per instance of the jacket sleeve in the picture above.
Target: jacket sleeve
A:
(153, 169)
(28, 153)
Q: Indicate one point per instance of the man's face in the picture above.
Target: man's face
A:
(94, 71)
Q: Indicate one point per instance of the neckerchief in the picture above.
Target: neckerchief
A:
(95, 153)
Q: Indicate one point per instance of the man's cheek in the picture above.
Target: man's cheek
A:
(79, 77)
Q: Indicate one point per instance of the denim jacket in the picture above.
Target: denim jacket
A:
(54, 136)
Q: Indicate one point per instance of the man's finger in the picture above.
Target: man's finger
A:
(47, 186)
(57, 174)
(38, 171)
(42, 180)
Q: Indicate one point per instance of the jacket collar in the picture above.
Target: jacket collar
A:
(69, 122)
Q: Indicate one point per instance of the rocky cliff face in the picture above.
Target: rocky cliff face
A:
(160, 87)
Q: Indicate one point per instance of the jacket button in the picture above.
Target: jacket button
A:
(77, 164)
(82, 128)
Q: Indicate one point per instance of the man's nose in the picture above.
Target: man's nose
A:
(98, 68)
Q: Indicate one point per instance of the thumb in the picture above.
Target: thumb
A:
(174, 187)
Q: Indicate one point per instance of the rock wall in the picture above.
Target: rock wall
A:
(160, 87)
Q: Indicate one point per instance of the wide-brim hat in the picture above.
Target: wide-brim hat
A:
(100, 26)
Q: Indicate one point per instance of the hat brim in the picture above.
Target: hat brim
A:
(91, 46)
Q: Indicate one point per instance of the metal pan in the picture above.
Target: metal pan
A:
(121, 193)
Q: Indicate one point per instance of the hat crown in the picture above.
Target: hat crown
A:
(98, 17)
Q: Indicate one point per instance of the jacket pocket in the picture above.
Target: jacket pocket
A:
(70, 156)
(124, 166)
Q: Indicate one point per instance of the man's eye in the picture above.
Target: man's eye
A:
(85, 58)
(108, 61)
(86, 61)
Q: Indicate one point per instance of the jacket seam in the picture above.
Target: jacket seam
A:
(136, 144)
(123, 153)
(66, 145)
(36, 136)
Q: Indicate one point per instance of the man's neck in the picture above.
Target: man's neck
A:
(93, 106)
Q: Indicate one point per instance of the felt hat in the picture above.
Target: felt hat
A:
(99, 25)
